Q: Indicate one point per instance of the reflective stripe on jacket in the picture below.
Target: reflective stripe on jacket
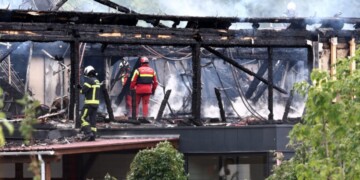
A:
(91, 90)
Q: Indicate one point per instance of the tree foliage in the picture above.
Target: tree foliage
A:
(26, 126)
(4, 122)
(162, 162)
(327, 143)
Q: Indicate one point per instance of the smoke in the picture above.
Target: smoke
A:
(259, 8)
(229, 8)
(175, 99)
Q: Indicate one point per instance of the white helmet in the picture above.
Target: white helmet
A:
(88, 69)
(124, 64)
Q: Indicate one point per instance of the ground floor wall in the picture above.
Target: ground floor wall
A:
(239, 166)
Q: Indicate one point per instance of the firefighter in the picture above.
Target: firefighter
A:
(124, 69)
(144, 83)
(91, 90)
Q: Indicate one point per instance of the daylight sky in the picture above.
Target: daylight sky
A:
(233, 8)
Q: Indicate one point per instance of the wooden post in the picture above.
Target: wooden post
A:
(221, 107)
(352, 50)
(108, 103)
(254, 84)
(316, 47)
(270, 85)
(288, 104)
(333, 44)
(163, 105)
(47, 171)
(196, 82)
(133, 104)
(74, 80)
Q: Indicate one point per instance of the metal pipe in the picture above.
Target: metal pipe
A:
(42, 167)
(9, 69)
(27, 153)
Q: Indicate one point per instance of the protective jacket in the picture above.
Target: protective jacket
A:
(144, 80)
(128, 106)
(91, 90)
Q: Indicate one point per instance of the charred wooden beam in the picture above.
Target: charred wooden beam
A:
(74, 80)
(8, 51)
(163, 105)
(67, 17)
(220, 104)
(279, 69)
(48, 32)
(287, 106)
(270, 85)
(237, 53)
(114, 5)
(59, 4)
(234, 63)
(154, 22)
(254, 84)
(196, 82)
(133, 104)
(108, 103)
(83, 17)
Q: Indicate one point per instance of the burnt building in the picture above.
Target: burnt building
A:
(231, 97)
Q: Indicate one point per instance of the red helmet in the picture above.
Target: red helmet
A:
(143, 60)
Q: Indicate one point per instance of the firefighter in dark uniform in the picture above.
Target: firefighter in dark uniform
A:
(91, 90)
(144, 82)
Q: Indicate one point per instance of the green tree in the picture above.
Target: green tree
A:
(26, 126)
(4, 122)
(162, 162)
(327, 142)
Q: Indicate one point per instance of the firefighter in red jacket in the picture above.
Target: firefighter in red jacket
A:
(144, 82)
(124, 75)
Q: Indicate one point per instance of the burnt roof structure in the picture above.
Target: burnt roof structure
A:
(199, 32)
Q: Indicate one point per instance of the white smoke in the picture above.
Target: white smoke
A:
(259, 8)
(175, 99)
(296, 109)
(229, 8)
(211, 111)
(119, 110)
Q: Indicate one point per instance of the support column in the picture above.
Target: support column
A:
(315, 55)
(163, 105)
(74, 80)
(28, 67)
(220, 104)
(47, 171)
(352, 54)
(333, 44)
(270, 85)
(196, 82)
